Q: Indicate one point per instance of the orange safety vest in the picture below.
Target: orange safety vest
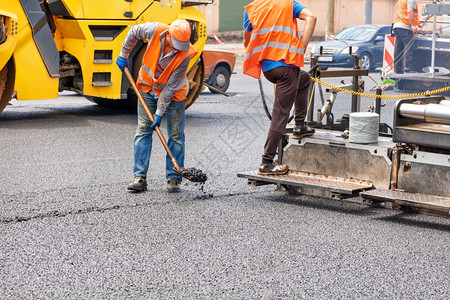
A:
(274, 35)
(147, 80)
(402, 13)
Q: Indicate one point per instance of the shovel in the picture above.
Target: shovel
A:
(190, 174)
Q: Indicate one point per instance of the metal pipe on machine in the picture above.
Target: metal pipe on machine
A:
(445, 102)
(433, 113)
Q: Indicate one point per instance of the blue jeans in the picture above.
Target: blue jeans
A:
(176, 120)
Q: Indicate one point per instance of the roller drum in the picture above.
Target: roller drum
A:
(433, 113)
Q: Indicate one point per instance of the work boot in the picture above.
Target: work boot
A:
(302, 131)
(138, 185)
(173, 185)
(272, 169)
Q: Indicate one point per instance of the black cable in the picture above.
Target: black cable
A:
(263, 98)
(390, 128)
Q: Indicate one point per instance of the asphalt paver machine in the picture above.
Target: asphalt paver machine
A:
(408, 168)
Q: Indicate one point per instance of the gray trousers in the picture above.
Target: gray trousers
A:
(404, 41)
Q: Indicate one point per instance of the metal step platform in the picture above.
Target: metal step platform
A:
(429, 203)
(339, 185)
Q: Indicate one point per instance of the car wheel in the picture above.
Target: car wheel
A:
(220, 79)
(367, 63)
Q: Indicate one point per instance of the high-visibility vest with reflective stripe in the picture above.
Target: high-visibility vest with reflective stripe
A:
(402, 13)
(147, 80)
(274, 35)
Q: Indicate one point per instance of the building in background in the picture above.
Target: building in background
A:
(226, 15)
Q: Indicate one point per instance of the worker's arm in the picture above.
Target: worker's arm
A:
(310, 24)
(137, 32)
(173, 84)
(248, 28)
(414, 27)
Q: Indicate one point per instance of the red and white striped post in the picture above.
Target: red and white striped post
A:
(388, 56)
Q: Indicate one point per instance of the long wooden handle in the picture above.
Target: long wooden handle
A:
(147, 110)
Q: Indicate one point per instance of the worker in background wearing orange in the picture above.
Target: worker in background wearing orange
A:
(163, 85)
(406, 26)
(274, 46)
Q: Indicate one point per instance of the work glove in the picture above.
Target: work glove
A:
(122, 63)
(157, 121)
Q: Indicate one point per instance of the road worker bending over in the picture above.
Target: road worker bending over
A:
(162, 82)
(273, 45)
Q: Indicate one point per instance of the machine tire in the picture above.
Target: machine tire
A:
(367, 61)
(220, 79)
(7, 78)
(195, 77)
(136, 65)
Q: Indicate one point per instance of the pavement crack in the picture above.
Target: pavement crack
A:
(58, 214)
(62, 214)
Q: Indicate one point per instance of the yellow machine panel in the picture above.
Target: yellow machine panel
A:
(106, 9)
(79, 42)
(73, 44)
(32, 79)
(29, 64)
(8, 45)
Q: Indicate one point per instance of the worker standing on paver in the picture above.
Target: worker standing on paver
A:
(273, 45)
(163, 85)
(406, 25)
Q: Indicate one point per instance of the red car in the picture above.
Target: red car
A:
(219, 66)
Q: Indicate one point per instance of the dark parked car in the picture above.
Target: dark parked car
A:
(366, 40)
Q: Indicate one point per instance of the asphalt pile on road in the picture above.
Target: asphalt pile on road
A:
(194, 175)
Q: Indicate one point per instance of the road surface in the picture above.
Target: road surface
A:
(70, 230)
